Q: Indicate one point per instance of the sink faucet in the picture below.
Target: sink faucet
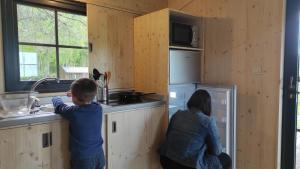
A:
(37, 83)
(35, 101)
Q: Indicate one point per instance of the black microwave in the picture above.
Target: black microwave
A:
(183, 35)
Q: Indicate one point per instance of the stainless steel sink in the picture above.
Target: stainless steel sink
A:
(17, 105)
(14, 105)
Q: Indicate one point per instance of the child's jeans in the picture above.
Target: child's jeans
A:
(96, 162)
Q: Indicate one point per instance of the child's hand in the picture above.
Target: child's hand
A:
(69, 94)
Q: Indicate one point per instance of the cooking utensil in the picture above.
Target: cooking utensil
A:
(96, 74)
(105, 79)
(108, 77)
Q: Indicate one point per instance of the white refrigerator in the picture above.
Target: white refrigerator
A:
(223, 99)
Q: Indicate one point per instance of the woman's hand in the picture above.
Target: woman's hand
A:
(69, 93)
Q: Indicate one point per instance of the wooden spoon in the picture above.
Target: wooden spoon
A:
(108, 77)
(105, 79)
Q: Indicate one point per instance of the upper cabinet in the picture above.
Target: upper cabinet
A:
(153, 40)
(111, 44)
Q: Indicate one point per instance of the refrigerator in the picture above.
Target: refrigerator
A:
(223, 100)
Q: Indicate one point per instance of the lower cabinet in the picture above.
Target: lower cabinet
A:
(60, 156)
(42, 146)
(133, 138)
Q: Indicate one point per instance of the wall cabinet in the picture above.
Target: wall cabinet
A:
(133, 138)
(110, 34)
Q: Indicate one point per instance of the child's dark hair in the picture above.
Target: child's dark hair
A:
(84, 89)
(200, 100)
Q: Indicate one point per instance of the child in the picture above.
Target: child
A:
(85, 119)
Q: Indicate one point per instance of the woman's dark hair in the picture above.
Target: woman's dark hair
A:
(200, 100)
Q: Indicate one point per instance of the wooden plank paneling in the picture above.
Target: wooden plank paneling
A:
(243, 47)
(136, 138)
(60, 156)
(151, 51)
(21, 148)
(136, 6)
(111, 33)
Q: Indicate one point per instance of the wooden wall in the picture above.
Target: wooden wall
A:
(135, 6)
(243, 47)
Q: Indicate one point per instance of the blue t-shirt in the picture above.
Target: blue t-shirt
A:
(85, 128)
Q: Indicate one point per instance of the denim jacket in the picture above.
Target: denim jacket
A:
(193, 140)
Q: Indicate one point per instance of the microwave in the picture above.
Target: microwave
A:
(184, 35)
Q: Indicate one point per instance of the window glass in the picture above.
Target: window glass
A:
(36, 25)
(39, 47)
(73, 63)
(36, 62)
(72, 29)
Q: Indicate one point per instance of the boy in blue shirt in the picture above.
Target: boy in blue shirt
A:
(85, 119)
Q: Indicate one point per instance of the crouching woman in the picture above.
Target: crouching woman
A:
(192, 139)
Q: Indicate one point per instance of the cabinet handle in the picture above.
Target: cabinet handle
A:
(45, 140)
(90, 47)
(50, 138)
(114, 127)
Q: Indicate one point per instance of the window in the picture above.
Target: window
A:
(44, 39)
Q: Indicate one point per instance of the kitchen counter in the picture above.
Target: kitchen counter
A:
(50, 116)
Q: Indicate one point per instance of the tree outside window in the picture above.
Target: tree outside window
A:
(51, 43)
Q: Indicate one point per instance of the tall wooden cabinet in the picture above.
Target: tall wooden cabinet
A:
(151, 48)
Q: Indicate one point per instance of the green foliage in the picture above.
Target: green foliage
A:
(37, 25)
(46, 61)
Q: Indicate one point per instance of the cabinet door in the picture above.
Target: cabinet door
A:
(60, 154)
(134, 138)
(60, 158)
(110, 33)
(126, 139)
(157, 121)
(104, 136)
(21, 148)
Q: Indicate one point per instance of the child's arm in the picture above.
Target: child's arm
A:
(62, 109)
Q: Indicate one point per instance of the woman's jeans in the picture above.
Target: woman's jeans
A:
(95, 162)
(166, 163)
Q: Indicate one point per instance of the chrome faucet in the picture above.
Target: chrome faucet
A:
(32, 100)
(37, 83)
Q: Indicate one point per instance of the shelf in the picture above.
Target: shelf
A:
(185, 48)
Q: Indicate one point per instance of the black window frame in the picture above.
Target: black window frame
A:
(11, 42)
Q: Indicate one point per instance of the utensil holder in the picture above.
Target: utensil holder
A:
(102, 94)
